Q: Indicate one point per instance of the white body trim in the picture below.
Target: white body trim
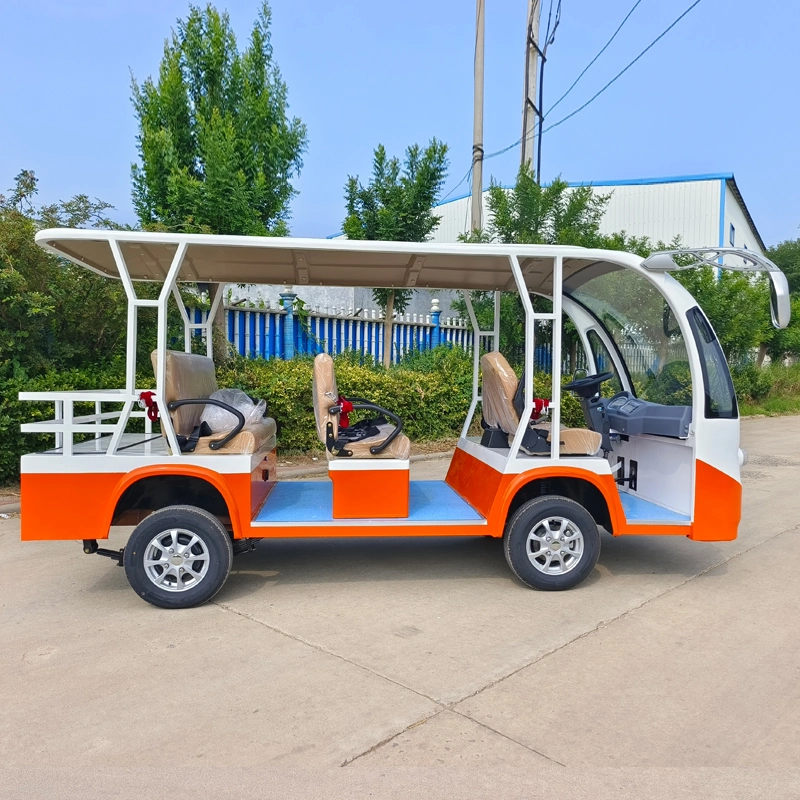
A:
(367, 464)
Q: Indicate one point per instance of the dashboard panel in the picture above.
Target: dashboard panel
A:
(632, 416)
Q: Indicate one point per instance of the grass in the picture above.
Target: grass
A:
(770, 406)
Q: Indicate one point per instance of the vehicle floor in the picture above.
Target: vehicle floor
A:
(637, 509)
(312, 501)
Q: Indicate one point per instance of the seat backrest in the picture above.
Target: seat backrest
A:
(325, 395)
(188, 376)
(499, 386)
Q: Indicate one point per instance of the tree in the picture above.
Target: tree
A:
(737, 303)
(533, 214)
(217, 150)
(554, 214)
(396, 206)
(786, 255)
(53, 315)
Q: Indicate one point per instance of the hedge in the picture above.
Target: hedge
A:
(431, 392)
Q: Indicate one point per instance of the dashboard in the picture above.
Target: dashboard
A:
(631, 416)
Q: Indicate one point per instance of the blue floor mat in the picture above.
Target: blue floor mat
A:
(637, 509)
(312, 501)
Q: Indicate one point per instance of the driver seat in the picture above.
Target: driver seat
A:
(499, 388)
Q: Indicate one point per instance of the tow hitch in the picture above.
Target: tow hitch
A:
(90, 546)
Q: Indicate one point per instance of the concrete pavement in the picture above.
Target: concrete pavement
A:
(393, 667)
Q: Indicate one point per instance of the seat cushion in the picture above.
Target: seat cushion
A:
(574, 441)
(255, 436)
(325, 394)
(400, 447)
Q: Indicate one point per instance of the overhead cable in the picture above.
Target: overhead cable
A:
(624, 70)
(605, 47)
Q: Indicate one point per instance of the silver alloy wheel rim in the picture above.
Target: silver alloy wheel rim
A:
(555, 545)
(176, 560)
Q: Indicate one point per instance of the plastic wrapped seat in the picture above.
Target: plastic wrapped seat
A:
(381, 440)
(499, 387)
(190, 382)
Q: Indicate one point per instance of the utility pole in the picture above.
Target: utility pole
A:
(531, 110)
(477, 123)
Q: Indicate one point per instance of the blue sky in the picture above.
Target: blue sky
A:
(718, 94)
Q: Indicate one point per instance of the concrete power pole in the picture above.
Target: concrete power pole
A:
(530, 103)
(477, 124)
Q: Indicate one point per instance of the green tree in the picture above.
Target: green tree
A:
(53, 315)
(737, 305)
(396, 206)
(533, 214)
(786, 255)
(217, 149)
(553, 214)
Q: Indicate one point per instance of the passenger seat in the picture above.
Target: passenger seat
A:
(191, 379)
(381, 440)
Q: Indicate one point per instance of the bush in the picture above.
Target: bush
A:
(432, 403)
(752, 382)
(430, 391)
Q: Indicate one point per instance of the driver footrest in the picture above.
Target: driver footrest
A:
(495, 438)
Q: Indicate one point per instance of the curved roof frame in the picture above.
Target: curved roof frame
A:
(169, 258)
(321, 262)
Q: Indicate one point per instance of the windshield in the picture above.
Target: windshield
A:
(643, 327)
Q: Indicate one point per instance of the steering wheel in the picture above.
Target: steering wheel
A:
(588, 386)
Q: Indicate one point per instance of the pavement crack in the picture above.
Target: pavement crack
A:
(322, 649)
(606, 622)
(378, 745)
(506, 736)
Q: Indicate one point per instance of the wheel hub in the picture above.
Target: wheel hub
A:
(555, 545)
(176, 560)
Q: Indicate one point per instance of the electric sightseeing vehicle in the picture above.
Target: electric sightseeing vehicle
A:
(659, 453)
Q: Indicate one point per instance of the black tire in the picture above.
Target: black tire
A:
(575, 566)
(213, 548)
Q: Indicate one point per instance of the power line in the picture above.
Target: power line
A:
(466, 177)
(623, 71)
(592, 99)
(605, 47)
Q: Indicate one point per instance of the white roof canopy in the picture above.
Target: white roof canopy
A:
(314, 262)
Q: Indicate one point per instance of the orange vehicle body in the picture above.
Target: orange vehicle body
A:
(58, 506)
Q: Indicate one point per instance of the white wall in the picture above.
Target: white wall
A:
(661, 211)
(744, 234)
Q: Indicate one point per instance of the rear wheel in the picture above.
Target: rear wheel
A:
(552, 543)
(178, 557)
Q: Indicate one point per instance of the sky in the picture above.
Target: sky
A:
(717, 94)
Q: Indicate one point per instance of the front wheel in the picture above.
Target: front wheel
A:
(552, 543)
(178, 557)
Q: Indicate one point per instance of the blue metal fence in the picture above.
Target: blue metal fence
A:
(281, 333)
(278, 333)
